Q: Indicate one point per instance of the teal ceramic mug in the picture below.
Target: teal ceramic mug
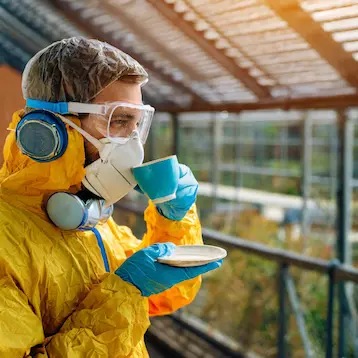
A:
(158, 179)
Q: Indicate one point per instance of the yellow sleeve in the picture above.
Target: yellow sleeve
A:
(184, 232)
(20, 328)
(110, 321)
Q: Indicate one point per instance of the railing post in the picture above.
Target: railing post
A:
(330, 308)
(345, 130)
(283, 314)
(300, 320)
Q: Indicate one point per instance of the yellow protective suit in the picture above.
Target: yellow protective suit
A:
(54, 292)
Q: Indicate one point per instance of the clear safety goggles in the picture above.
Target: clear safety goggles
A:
(114, 120)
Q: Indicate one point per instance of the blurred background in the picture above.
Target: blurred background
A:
(259, 98)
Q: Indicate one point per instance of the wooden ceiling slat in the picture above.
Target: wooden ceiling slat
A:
(326, 4)
(276, 48)
(321, 41)
(265, 37)
(309, 80)
(303, 55)
(225, 6)
(283, 61)
(351, 46)
(235, 21)
(314, 88)
(341, 25)
(313, 64)
(345, 36)
(336, 14)
(251, 14)
(202, 3)
(255, 27)
(297, 69)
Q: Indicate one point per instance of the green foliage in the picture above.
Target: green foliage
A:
(241, 299)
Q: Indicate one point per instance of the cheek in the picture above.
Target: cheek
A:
(91, 152)
(91, 125)
(88, 124)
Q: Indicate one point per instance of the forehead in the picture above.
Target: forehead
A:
(120, 91)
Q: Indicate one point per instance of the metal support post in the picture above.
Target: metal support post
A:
(283, 146)
(259, 150)
(306, 175)
(283, 314)
(333, 155)
(216, 156)
(150, 145)
(238, 173)
(345, 163)
(175, 124)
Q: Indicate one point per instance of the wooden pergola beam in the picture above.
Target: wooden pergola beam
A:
(176, 19)
(320, 40)
(97, 32)
(327, 102)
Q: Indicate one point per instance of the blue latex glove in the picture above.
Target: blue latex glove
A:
(177, 208)
(151, 277)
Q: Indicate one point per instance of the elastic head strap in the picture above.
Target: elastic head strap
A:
(91, 139)
(65, 108)
(60, 107)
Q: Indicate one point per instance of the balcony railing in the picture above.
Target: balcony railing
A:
(335, 271)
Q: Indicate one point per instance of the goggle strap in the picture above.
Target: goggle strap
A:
(77, 107)
(91, 139)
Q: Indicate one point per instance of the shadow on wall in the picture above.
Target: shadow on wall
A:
(11, 100)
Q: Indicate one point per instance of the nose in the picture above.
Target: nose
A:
(130, 128)
(133, 126)
(134, 134)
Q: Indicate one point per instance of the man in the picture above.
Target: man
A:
(86, 292)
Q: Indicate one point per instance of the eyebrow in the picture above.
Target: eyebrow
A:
(126, 116)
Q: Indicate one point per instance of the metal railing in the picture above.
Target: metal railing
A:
(285, 259)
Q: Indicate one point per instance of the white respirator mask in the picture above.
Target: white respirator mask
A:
(110, 177)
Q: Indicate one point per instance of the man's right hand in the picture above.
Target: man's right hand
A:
(151, 277)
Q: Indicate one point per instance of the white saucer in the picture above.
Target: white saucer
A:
(193, 255)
